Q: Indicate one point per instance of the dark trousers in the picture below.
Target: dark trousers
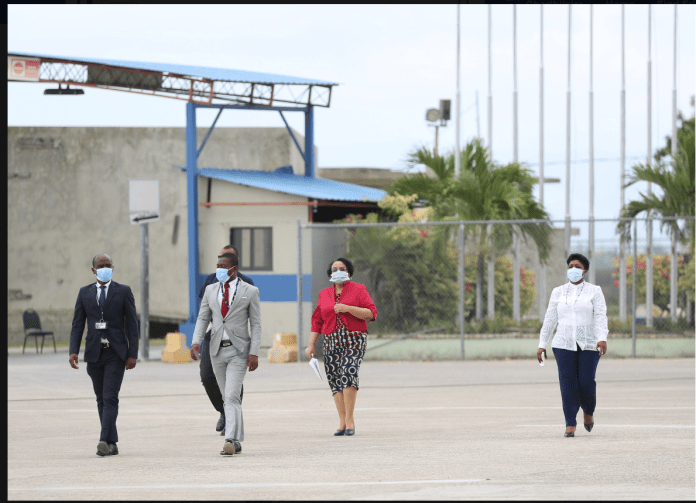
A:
(208, 378)
(576, 375)
(107, 376)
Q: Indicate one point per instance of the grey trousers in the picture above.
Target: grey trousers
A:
(230, 367)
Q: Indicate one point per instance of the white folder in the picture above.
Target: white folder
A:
(315, 365)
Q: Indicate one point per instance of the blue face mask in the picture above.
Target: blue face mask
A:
(221, 275)
(104, 274)
(575, 274)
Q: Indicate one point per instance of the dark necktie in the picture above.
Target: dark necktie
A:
(102, 296)
(225, 300)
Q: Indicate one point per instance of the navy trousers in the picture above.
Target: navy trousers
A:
(576, 375)
(107, 376)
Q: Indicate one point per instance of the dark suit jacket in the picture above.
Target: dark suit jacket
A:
(119, 315)
(213, 279)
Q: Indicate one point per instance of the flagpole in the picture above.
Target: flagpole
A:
(648, 163)
(516, 241)
(514, 80)
(675, 142)
(490, 305)
(457, 160)
(567, 201)
(490, 98)
(591, 223)
(622, 244)
(541, 282)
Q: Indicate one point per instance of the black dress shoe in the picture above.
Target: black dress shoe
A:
(113, 450)
(340, 433)
(571, 434)
(221, 423)
(350, 431)
(102, 449)
(589, 427)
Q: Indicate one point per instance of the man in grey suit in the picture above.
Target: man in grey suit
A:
(233, 306)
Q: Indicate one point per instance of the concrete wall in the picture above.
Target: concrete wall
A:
(67, 201)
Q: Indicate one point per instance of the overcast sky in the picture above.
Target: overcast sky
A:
(392, 64)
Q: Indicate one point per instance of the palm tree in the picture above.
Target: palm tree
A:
(483, 191)
(677, 185)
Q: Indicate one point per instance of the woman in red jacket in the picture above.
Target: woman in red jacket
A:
(340, 316)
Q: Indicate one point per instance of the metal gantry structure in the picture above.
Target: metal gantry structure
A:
(183, 82)
(200, 88)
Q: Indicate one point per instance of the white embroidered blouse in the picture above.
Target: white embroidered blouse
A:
(581, 315)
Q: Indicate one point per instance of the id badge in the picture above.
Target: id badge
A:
(100, 325)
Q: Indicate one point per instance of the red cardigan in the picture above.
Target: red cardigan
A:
(353, 294)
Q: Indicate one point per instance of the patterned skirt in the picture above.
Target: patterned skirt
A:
(343, 353)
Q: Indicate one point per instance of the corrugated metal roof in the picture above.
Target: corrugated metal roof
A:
(316, 188)
(219, 74)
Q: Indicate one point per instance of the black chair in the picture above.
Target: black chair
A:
(32, 328)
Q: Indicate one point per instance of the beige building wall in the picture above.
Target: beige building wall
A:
(67, 201)
(215, 223)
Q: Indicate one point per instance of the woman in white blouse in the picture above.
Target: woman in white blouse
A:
(579, 310)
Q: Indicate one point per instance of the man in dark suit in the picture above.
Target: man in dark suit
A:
(111, 345)
(207, 375)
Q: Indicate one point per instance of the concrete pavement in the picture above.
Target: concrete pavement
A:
(424, 430)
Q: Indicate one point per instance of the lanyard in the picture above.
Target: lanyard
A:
(228, 304)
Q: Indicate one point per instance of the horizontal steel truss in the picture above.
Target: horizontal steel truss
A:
(186, 87)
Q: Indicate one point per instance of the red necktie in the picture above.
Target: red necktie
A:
(225, 300)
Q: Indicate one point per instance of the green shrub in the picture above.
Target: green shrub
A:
(413, 273)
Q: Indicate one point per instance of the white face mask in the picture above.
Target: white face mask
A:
(339, 277)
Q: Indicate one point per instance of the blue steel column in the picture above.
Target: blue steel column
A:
(309, 141)
(192, 213)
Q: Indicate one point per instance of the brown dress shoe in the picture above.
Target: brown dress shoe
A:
(228, 449)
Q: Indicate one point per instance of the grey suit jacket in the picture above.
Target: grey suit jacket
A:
(244, 311)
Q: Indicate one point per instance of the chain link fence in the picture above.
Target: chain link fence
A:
(423, 288)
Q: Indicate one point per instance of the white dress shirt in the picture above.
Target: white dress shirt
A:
(231, 294)
(581, 315)
(106, 292)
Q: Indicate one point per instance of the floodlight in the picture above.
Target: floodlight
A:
(432, 115)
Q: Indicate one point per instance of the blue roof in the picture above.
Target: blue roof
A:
(218, 74)
(315, 188)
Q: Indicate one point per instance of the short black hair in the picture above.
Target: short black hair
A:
(232, 247)
(582, 258)
(346, 262)
(94, 259)
(231, 257)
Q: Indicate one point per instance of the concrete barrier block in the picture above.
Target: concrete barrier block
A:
(176, 351)
(284, 348)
